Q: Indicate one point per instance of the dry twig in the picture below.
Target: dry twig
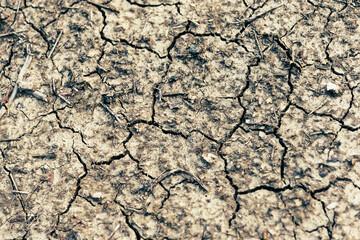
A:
(57, 94)
(256, 16)
(258, 45)
(167, 173)
(113, 232)
(56, 43)
(10, 33)
(110, 111)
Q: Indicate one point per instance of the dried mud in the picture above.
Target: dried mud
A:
(161, 119)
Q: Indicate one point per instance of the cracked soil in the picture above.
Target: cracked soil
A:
(162, 119)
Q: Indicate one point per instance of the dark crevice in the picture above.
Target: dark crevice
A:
(275, 130)
(103, 7)
(155, 5)
(78, 185)
(233, 185)
(246, 4)
(103, 14)
(8, 62)
(176, 37)
(88, 200)
(331, 224)
(127, 218)
(156, 124)
(154, 97)
(127, 138)
(128, 223)
(265, 187)
(295, 237)
(205, 135)
(315, 113)
(351, 102)
(332, 183)
(312, 194)
(239, 125)
(138, 165)
(24, 236)
(40, 31)
(281, 140)
(315, 230)
(167, 196)
(339, 120)
(284, 47)
(63, 12)
(115, 157)
(328, 228)
(210, 34)
(240, 95)
(289, 213)
(327, 54)
(68, 128)
(282, 160)
(229, 135)
(139, 47)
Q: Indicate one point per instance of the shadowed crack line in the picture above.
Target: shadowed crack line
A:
(177, 5)
(127, 220)
(289, 213)
(155, 95)
(103, 14)
(156, 124)
(139, 47)
(351, 101)
(277, 135)
(67, 9)
(221, 144)
(239, 125)
(240, 95)
(205, 135)
(40, 31)
(8, 62)
(312, 194)
(138, 164)
(69, 128)
(282, 143)
(233, 185)
(268, 188)
(115, 157)
(339, 120)
(98, 6)
(78, 186)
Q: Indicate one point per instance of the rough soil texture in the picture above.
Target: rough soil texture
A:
(161, 119)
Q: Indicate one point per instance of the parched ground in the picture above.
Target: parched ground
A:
(161, 119)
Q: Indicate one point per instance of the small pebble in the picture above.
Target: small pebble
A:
(332, 88)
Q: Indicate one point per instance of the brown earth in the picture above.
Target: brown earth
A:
(161, 119)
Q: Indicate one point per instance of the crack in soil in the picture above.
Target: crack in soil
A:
(197, 159)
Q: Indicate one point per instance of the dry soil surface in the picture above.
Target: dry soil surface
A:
(180, 119)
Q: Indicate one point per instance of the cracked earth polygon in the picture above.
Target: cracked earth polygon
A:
(162, 119)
